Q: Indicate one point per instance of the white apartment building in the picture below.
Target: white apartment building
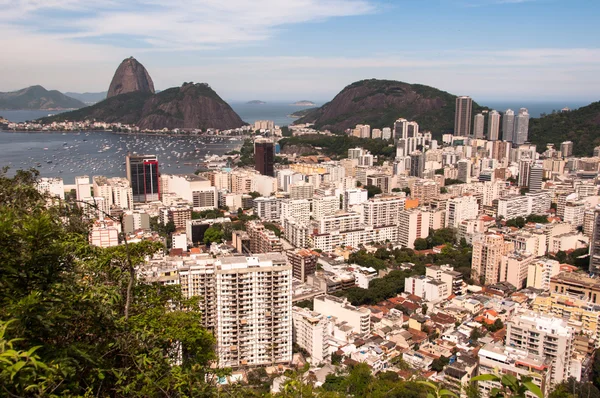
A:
(191, 188)
(268, 208)
(102, 189)
(364, 235)
(412, 224)
(427, 288)
(446, 274)
(515, 206)
(359, 319)
(122, 192)
(544, 336)
(301, 190)
(299, 210)
(340, 221)
(310, 333)
(54, 186)
(540, 271)
(574, 211)
(383, 210)
(355, 196)
(83, 188)
(496, 358)
(179, 241)
(459, 209)
(104, 234)
(253, 310)
(515, 268)
(363, 275)
(324, 206)
(296, 233)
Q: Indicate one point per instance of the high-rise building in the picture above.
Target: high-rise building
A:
(267, 209)
(357, 318)
(299, 210)
(459, 209)
(386, 133)
(325, 206)
(417, 164)
(53, 186)
(464, 170)
(144, 177)
(310, 332)
(521, 127)
(303, 261)
(478, 125)
(566, 149)
(488, 250)
(262, 240)
(264, 157)
(301, 190)
(462, 118)
(383, 210)
(495, 358)
(546, 337)
(536, 178)
(493, 125)
(508, 125)
(83, 188)
(595, 244)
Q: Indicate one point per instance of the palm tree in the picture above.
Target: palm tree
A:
(510, 386)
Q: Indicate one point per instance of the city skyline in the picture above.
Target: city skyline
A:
(305, 48)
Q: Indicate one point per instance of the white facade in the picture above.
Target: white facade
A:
(356, 317)
(324, 206)
(55, 187)
(310, 333)
(268, 208)
(459, 209)
(299, 210)
(383, 210)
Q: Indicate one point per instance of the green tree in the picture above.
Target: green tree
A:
(420, 244)
(213, 234)
(372, 190)
(510, 386)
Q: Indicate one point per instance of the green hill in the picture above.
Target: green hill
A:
(37, 97)
(381, 102)
(582, 126)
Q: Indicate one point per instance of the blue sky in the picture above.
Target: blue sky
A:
(291, 49)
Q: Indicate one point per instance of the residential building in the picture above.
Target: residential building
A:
(324, 206)
(459, 209)
(566, 149)
(262, 240)
(545, 337)
(493, 125)
(83, 188)
(505, 360)
(540, 272)
(53, 186)
(508, 125)
(478, 124)
(301, 190)
(383, 210)
(521, 133)
(427, 288)
(462, 118)
(299, 210)
(488, 250)
(267, 208)
(310, 333)
(303, 262)
(358, 318)
(412, 224)
(577, 285)
(446, 274)
(595, 244)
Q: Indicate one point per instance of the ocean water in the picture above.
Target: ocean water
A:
(69, 155)
(277, 111)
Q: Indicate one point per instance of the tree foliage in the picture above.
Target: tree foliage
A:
(65, 325)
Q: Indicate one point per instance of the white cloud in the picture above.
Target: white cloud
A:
(177, 24)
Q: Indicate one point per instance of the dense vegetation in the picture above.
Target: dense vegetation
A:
(37, 97)
(582, 126)
(72, 320)
(337, 146)
(457, 256)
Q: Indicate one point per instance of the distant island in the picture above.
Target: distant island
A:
(304, 103)
(256, 102)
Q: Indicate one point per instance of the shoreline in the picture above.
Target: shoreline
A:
(242, 137)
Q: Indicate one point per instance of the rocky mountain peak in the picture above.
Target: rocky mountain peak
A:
(130, 76)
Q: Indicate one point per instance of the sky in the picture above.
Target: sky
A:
(542, 50)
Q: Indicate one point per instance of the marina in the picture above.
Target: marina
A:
(57, 154)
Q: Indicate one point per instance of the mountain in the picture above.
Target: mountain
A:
(37, 97)
(191, 106)
(302, 112)
(129, 77)
(380, 103)
(88, 98)
(581, 126)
